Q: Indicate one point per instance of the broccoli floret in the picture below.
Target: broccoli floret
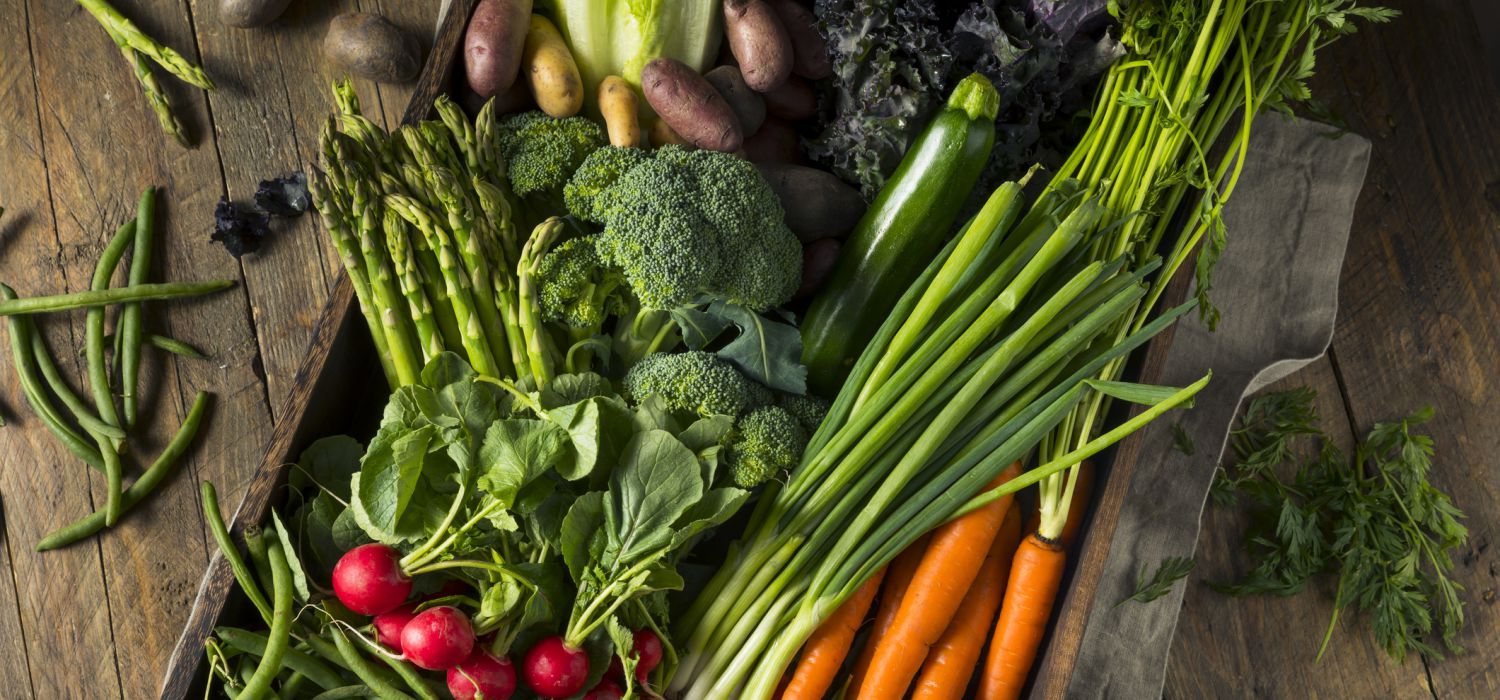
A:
(575, 287)
(694, 381)
(598, 172)
(541, 152)
(809, 410)
(767, 442)
(684, 224)
(760, 395)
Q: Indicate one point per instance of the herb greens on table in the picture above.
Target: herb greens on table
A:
(1376, 522)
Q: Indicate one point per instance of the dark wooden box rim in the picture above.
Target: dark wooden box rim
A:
(315, 395)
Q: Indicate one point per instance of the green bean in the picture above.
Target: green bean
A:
(291, 685)
(32, 389)
(302, 662)
(237, 564)
(86, 417)
(348, 691)
(364, 670)
(138, 491)
(107, 297)
(259, 684)
(129, 354)
(98, 371)
(255, 544)
(404, 669)
(175, 346)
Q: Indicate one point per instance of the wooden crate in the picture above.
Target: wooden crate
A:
(339, 373)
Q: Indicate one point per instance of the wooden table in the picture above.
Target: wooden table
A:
(1419, 324)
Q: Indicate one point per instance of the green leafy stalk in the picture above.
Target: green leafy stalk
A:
(1149, 587)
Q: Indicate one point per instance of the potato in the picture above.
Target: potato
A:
(818, 204)
(818, 261)
(809, 50)
(493, 44)
(551, 71)
(690, 105)
(775, 142)
(747, 104)
(662, 135)
(515, 99)
(369, 46)
(794, 100)
(759, 43)
(251, 13)
(621, 112)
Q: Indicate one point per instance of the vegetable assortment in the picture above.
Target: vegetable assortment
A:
(616, 307)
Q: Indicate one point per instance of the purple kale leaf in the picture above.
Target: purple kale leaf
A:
(285, 197)
(241, 231)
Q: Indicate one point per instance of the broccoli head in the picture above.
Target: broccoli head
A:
(541, 152)
(684, 224)
(598, 172)
(693, 381)
(576, 288)
(809, 410)
(767, 442)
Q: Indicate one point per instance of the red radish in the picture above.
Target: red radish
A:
(482, 676)
(606, 690)
(388, 625)
(554, 670)
(438, 639)
(648, 650)
(369, 581)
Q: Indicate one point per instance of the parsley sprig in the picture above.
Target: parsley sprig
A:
(1376, 522)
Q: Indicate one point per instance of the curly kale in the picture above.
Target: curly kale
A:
(895, 60)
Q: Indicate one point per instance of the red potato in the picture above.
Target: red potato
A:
(775, 142)
(793, 101)
(691, 106)
(809, 49)
(747, 104)
(438, 639)
(759, 43)
(818, 259)
(368, 579)
(493, 44)
(817, 203)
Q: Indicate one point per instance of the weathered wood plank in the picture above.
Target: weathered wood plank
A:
(1226, 647)
(113, 149)
(1421, 317)
(44, 487)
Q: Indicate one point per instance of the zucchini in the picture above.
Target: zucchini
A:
(900, 233)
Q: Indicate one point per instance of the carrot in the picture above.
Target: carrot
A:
(898, 577)
(950, 564)
(1078, 506)
(1035, 576)
(950, 664)
(825, 650)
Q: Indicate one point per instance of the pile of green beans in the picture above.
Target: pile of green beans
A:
(311, 647)
(97, 434)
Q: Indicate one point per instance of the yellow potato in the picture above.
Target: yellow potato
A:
(621, 110)
(551, 71)
(661, 135)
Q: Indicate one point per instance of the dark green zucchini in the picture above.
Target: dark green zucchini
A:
(900, 233)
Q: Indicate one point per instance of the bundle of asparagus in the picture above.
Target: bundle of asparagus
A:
(422, 222)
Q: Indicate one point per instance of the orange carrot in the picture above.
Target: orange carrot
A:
(1078, 506)
(825, 650)
(1035, 576)
(898, 577)
(949, 566)
(945, 675)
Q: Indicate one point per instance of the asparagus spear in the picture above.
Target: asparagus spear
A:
(336, 221)
(410, 278)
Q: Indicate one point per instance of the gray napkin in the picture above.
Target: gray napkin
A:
(1277, 287)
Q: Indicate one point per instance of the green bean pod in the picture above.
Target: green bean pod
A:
(363, 669)
(308, 665)
(107, 297)
(131, 329)
(35, 393)
(259, 684)
(242, 573)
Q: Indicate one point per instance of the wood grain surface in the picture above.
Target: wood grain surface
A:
(1420, 323)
